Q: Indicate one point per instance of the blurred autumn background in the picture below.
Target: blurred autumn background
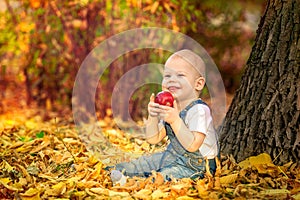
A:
(43, 44)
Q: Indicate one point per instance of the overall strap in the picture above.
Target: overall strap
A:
(182, 114)
(175, 144)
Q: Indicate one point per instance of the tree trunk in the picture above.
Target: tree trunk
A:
(264, 114)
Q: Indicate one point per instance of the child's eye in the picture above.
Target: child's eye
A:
(167, 76)
(181, 75)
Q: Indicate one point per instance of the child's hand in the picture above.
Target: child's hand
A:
(153, 108)
(169, 114)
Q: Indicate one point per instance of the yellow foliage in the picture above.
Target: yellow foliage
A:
(35, 3)
(185, 198)
(263, 163)
(56, 190)
(58, 165)
(159, 194)
(32, 194)
(231, 178)
(25, 27)
(143, 194)
(296, 196)
(261, 159)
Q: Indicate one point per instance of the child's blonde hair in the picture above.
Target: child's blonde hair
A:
(192, 58)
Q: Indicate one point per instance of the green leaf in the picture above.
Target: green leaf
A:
(40, 134)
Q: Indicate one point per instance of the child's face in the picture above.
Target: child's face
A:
(182, 79)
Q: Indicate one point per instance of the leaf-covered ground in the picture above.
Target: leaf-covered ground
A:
(47, 160)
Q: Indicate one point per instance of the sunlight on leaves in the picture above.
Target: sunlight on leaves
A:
(44, 160)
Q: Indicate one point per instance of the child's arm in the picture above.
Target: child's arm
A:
(190, 140)
(155, 130)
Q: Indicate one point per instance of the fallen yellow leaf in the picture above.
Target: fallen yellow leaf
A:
(31, 124)
(159, 194)
(202, 188)
(79, 194)
(5, 181)
(31, 192)
(231, 178)
(296, 196)
(143, 194)
(100, 191)
(118, 194)
(274, 192)
(95, 174)
(57, 189)
(184, 198)
(179, 188)
(46, 142)
(263, 158)
(87, 184)
(5, 165)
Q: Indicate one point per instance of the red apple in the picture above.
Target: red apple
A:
(164, 98)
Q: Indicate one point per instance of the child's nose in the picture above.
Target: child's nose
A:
(173, 78)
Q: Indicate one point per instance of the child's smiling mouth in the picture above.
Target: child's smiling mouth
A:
(173, 88)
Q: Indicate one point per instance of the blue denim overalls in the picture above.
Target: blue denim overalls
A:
(175, 161)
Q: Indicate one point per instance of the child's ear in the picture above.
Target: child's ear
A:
(199, 83)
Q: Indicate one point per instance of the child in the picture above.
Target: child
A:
(188, 125)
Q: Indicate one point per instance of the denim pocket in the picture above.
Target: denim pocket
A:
(196, 164)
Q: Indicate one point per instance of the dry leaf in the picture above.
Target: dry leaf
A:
(143, 194)
(95, 174)
(275, 192)
(231, 178)
(159, 179)
(30, 124)
(31, 193)
(16, 144)
(79, 194)
(88, 184)
(45, 143)
(202, 188)
(296, 196)
(184, 198)
(180, 188)
(159, 194)
(118, 194)
(56, 190)
(25, 173)
(102, 191)
(5, 182)
(256, 160)
(71, 172)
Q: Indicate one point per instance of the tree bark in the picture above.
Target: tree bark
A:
(264, 114)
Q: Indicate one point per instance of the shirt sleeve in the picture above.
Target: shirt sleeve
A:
(196, 119)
